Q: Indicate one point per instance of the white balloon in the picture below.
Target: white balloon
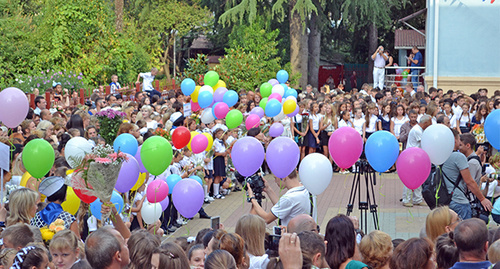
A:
(207, 116)
(291, 98)
(280, 116)
(75, 150)
(315, 172)
(206, 88)
(438, 141)
(151, 212)
(278, 89)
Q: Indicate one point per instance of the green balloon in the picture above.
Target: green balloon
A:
(263, 103)
(234, 118)
(156, 154)
(38, 157)
(211, 78)
(266, 89)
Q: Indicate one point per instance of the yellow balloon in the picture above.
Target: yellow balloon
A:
(70, 171)
(72, 202)
(194, 95)
(193, 134)
(140, 181)
(24, 179)
(220, 84)
(289, 106)
(210, 140)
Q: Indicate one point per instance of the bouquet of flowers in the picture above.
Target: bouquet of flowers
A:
(51, 230)
(163, 133)
(109, 122)
(97, 174)
(478, 132)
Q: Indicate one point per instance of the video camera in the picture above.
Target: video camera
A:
(256, 183)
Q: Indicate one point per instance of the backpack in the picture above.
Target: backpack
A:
(434, 189)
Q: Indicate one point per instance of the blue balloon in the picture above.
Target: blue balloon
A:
(188, 86)
(126, 143)
(273, 108)
(284, 87)
(205, 99)
(492, 128)
(230, 98)
(198, 179)
(172, 181)
(116, 199)
(290, 92)
(282, 76)
(382, 150)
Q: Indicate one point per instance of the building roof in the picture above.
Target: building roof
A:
(406, 39)
(201, 42)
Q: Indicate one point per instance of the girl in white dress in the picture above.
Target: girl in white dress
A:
(398, 120)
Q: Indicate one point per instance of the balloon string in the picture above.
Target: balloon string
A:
(412, 218)
(380, 188)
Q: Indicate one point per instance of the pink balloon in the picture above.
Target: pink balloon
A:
(14, 107)
(157, 191)
(252, 121)
(195, 106)
(413, 166)
(276, 96)
(221, 110)
(345, 146)
(199, 143)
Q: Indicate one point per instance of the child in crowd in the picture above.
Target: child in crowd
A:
(147, 82)
(219, 162)
(384, 122)
(115, 85)
(371, 120)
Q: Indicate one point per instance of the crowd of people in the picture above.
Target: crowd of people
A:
(125, 241)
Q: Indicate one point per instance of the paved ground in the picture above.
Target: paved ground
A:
(395, 219)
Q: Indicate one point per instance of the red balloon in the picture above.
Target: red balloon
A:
(181, 137)
(85, 198)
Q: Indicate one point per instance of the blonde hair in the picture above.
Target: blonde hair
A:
(494, 161)
(21, 201)
(376, 248)
(252, 229)
(494, 252)
(7, 257)
(63, 240)
(436, 222)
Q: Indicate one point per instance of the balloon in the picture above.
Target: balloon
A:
(266, 89)
(199, 143)
(291, 98)
(38, 157)
(14, 107)
(210, 141)
(263, 103)
(129, 173)
(382, 150)
(345, 146)
(289, 106)
(280, 116)
(72, 202)
(273, 108)
(295, 112)
(276, 96)
(282, 76)
(187, 86)
(75, 150)
(140, 181)
(205, 88)
(172, 180)
(230, 98)
(188, 197)
(126, 143)
(438, 142)
(211, 78)
(207, 116)
(413, 166)
(399, 71)
(257, 111)
(405, 74)
(398, 78)
(273, 82)
(276, 129)
(205, 99)
(285, 88)
(492, 128)
(247, 155)
(252, 121)
(24, 179)
(164, 203)
(220, 84)
(157, 191)
(195, 106)
(220, 110)
(234, 118)
(279, 89)
(219, 94)
(137, 157)
(315, 172)
(291, 92)
(84, 197)
(194, 95)
(181, 137)
(198, 179)
(282, 156)
(151, 212)
(156, 154)
(193, 134)
(116, 200)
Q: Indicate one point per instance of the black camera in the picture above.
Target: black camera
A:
(256, 183)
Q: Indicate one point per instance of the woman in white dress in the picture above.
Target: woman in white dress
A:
(287, 129)
(398, 120)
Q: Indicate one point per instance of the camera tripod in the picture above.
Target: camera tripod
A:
(363, 168)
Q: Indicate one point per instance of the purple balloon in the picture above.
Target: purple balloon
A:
(164, 203)
(219, 94)
(247, 155)
(276, 129)
(258, 111)
(295, 112)
(188, 197)
(273, 81)
(14, 107)
(282, 156)
(129, 173)
(137, 157)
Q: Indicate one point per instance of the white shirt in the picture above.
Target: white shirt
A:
(219, 146)
(358, 125)
(315, 121)
(147, 83)
(372, 125)
(114, 87)
(398, 123)
(343, 123)
(293, 203)
(415, 137)
(379, 61)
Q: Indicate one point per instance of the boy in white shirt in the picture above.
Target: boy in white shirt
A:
(147, 82)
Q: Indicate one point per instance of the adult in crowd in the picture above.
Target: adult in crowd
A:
(379, 59)
(313, 250)
(40, 104)
(301, 223)
(415, 60)
(439, 221)
(376, 249)
(252, 229)
(467, 146)
(471, 239)
(106, 248)
(414, 253)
